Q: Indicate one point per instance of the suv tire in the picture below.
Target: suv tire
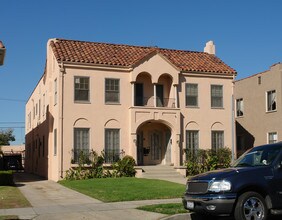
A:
(251, 205)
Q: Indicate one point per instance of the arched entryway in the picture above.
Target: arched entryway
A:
(153, 143)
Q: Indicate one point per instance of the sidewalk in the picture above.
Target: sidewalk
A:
(51, 200)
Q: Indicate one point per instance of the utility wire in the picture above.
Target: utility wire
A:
(12, 100)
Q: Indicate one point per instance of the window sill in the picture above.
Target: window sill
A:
(218, 108)
(82, 102)
(191, 106)
(112, 103)
(271, 111)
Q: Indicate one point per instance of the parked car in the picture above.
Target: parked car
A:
(250, 189)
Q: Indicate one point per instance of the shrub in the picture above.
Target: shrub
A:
(124, 167)
(205, 160)
(6, 178)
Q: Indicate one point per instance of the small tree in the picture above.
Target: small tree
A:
(6, 136)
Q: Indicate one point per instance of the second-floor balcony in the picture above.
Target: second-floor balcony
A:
(155, 102)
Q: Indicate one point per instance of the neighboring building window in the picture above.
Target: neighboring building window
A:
(39, 108)
(55, 142)
(112, 90)
(81, 145)
(271, 100)
(191, 94)
(217, 140)
(259, 80)
(239, 107)
(29, 120)
(272, 137)
(55, 92)
(112, 148)
(43, 109)
(216, 96)
(192, 142)
(81, 89)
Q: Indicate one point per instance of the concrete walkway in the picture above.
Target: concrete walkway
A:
(51, 200)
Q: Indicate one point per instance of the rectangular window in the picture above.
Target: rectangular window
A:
(191, 94)
(55, 142)
(271, 101)
(216, 96)
(43, 146)
(272, 137)
(112, 90)
(192, 142)
(217, 140)
(39, 108)
(55, 92)
(239, 107)
(81, 144)
(112, 148)
(81, 89)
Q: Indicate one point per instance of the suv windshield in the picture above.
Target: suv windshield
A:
(258, 156)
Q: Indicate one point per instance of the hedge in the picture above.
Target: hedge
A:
(6, 178)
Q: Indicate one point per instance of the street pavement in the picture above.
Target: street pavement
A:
(50, 200)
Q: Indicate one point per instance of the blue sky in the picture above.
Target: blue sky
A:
(247, 35)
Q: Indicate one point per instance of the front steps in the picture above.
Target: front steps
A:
(162, 172)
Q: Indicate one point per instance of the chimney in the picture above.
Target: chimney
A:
(210, 47)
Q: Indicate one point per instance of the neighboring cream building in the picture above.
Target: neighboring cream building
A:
(259, 108)
(2, 53)
(147, 102)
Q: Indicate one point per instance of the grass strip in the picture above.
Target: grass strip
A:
(11, 197)
(167, 209)
(126, 189)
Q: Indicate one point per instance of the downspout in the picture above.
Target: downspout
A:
(233, 121)
(62, 72)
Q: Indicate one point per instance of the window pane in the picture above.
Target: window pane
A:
(191, 94)
(192, 142)
(239, 107)
(271, 100)
(217, 140)
(216, 96)
(112, 90)
(81, 143)
(81, 87)
(112, 148)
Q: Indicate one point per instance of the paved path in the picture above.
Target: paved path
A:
(51, 200)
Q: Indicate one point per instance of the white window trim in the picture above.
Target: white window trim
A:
(266, 101)
(268, 133)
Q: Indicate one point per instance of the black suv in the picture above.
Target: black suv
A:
(250, 189)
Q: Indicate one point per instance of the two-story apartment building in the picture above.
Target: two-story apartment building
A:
(147, 102)
(258, 108)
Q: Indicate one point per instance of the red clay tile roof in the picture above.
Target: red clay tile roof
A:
(127, 56)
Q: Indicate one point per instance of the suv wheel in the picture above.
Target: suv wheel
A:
(250, 206)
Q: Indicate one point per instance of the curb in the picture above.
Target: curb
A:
(185, 216)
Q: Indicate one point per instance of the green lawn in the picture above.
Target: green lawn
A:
(11, 197)
(167, 209)
(126, 189)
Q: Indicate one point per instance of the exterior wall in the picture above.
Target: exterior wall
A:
(257, 122)
(65, 115)
(204, 118)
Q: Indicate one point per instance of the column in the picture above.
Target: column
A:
(155, 95)
(132, 93)
(176, 96)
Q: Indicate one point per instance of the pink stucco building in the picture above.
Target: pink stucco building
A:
(148, 102)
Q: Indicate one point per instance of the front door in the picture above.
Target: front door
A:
(140, 149)
(156, 147)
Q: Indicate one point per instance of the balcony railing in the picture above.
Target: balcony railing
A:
(150, 102)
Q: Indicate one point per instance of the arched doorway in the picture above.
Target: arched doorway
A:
(153, 144)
